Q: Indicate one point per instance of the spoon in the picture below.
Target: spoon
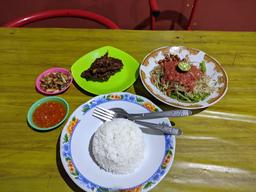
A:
(165, 128)
(121, 113)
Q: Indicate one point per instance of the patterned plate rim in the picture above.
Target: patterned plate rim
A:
(69, 128)
(180, 105)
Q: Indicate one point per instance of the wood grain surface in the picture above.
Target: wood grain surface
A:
(217, 151)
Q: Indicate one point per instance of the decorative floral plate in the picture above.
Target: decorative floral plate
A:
(120, 81)
(77, 159)
(216, 73)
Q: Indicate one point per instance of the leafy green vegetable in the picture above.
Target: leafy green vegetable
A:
(203, 66)
(188, 97)
(175, 90)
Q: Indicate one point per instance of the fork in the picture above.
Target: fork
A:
(108, 115)
(153, 115)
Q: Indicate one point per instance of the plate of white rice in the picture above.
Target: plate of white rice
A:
(116, 155)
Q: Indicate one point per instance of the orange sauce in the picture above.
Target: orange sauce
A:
(49, 114)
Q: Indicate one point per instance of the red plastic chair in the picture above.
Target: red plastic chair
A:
(155, 12)
(191, 17)
(20, 22)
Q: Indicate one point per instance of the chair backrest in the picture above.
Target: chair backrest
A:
(22, 21)
(155, 12)
(191, 17)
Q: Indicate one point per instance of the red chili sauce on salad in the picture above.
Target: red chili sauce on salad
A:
(188, 79)
(49, 114)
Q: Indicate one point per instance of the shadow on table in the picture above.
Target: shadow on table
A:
(42, 130)
(141, 90)
(82, 90)
(62, 171)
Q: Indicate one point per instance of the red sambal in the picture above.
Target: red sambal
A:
(49, 114)
(171, 74)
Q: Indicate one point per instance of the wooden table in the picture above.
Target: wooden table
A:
(217, 151)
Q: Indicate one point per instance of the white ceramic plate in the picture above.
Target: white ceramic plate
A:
(218, 76)
(79, 164)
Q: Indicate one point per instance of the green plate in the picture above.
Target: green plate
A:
(117, 82)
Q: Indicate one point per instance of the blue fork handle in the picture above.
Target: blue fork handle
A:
(161, 114)
(164, 128)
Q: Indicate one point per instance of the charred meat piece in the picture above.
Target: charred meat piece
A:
(102, 68)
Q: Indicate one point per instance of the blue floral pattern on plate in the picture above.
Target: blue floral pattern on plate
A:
(89, 185)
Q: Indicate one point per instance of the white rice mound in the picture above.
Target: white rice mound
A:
(118, 146)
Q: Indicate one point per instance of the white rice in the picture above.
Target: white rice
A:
(118, 146)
